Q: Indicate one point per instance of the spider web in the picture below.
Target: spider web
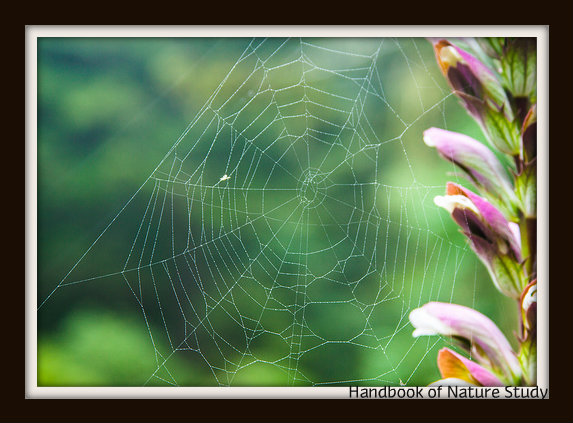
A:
(265, 239)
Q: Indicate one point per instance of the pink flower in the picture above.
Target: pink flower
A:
(528, 306)
(481, 93)
(476, 333)
(455, 367)
(496, 241)
(528, 336)
(476, 160)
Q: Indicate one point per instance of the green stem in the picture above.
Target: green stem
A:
(525, 248)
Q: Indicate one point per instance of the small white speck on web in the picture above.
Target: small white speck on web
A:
(224, 178)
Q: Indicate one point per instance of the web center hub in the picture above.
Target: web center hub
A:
(312, 188)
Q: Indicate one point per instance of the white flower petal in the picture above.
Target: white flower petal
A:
(451, 202)
(426, 323)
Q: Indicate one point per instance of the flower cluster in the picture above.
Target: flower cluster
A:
(495, 81)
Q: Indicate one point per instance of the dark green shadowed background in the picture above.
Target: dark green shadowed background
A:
(263, 210)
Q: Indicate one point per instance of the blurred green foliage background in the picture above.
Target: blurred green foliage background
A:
(109, 110)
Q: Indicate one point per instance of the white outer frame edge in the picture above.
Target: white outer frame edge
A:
(35, 32)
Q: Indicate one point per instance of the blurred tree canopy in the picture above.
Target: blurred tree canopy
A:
(108, 112)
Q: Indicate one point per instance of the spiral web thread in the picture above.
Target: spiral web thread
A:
(265, 235)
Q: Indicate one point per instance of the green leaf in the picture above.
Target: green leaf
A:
(508, 275)
(493, 46)
(519, 68)
(526, 189)
(503, 134)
